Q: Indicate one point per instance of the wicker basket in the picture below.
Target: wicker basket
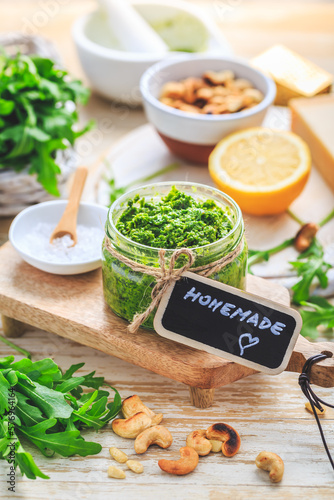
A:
(19, 190)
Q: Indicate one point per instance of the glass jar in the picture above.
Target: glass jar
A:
(128, 292)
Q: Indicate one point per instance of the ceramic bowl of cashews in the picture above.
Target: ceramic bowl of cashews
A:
(142, 425)
(196, 101)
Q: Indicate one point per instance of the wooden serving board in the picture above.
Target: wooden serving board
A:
(73, 307)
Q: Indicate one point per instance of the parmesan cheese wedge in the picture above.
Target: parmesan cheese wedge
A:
(313, 120)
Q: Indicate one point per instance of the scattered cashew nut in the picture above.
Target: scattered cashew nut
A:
(305, 235)
(157, 434)
(135, 466)
(187, 463)
(115, 472)
(131, 427)
(227, 435)
(271, 462)
(118, 455)
(134, 404)
(308, 407)
(199, 442)
(216, 445)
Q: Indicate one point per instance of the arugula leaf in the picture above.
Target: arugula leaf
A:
(10, 376)
(4, 396)
(25, 462)
(6, 107)
(5, 438)
(319, 312)
(66, 443)
(310, 265)
(88, 402)
(74, 368)
(114, 407)
(27, 412)
(4, 362)
(70, 384)
(91, 381)
(85, 397)
(44, 372)
(52, 403)
(89, 421)
(36, 118)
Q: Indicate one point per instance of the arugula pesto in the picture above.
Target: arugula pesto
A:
(178, 220)
(175, 220)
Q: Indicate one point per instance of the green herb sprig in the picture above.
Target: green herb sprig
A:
(50, 410)
(115, 192)
(37, 115)
(255, 256)
(316, 311)
(310, 266)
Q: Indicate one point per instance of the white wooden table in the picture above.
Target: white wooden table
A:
(268, 412)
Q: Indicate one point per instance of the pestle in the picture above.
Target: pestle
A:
(130, 28)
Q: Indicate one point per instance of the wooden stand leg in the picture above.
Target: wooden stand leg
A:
(12, 327)
(201, 398)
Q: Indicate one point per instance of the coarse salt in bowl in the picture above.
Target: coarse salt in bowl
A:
(31, 229)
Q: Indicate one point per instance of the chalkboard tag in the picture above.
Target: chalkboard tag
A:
(228, 322)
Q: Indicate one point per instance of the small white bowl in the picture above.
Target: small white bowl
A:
(193, 136)
(90, 214)
(115, 74)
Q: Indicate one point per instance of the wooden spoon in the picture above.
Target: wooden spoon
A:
(68, 222)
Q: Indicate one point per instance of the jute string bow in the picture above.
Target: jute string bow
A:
(165, 276)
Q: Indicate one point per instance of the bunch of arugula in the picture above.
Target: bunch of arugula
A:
(37, 114)
(50, 410)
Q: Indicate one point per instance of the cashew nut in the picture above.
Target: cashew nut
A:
(118, 455)
(200, 443)
(131, 427)
(227, 435)
(156, 420)
(216, 445)
(305, 235)
(157, 434)
(187, 463)
(271, 462)
(218, 77)
(318, 412)
(134, 404)
(115, 472)
(135, 466)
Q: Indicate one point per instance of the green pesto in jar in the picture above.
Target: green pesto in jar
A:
(177, 221)
(173, 221)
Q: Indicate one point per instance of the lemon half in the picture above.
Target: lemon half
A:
(264, 170)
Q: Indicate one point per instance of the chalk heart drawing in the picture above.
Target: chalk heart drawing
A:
(246, 340)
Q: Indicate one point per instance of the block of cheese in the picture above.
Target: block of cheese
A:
(294, 75)
(313, 120)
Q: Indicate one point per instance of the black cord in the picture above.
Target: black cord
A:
(315, 401)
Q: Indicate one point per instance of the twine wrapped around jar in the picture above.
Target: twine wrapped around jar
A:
(165, 276)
